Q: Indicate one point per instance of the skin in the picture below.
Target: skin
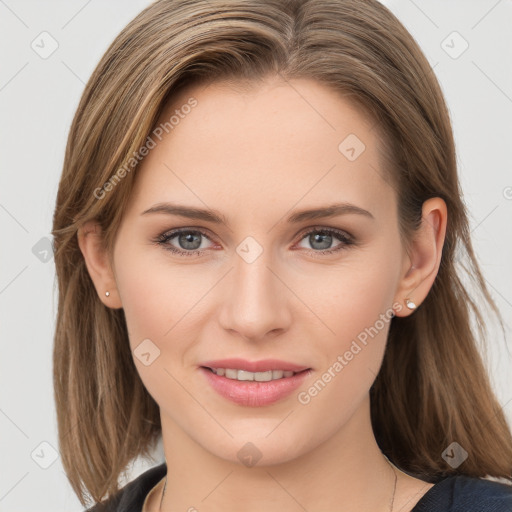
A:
(256, 156)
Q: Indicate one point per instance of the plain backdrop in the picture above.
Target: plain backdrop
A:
(469, 45)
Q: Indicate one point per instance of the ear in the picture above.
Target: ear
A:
(98, 264)
(421, 264)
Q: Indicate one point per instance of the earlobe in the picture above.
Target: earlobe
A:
(424, 257)
(98, 265)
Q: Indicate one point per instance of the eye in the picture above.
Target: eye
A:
(188, 240)
(321, 238)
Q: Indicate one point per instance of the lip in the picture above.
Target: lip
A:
(254, 366)
(254, 393)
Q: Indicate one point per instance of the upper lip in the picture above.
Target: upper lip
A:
(254, 366)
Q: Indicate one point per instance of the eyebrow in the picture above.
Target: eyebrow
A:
(216, 217)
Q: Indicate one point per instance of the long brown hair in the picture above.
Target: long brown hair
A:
(432, 388)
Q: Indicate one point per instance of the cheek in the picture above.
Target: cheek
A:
(339, 312)
(161, 304)
(353, 296)
(355, 308)
(161, 298)
(155, 293)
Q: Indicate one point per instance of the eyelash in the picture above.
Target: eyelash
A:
(163, 239)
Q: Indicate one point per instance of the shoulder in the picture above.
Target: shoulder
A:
(461, 493)
(131, 497)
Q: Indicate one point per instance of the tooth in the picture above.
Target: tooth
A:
(230, 373)
(263, 376)
(245, 375)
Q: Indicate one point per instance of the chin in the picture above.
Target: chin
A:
(258, 448)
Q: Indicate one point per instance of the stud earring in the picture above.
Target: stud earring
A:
(107, 294)
(410, 304)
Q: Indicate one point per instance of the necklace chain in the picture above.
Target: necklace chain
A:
(394, 485)
(163, 494)
(387, 460)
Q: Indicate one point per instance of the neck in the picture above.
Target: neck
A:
(346, 472)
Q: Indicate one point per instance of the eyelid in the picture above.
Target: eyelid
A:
(315, 228)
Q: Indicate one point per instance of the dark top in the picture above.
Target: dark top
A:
(457, 493)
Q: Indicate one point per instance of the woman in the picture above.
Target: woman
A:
(257, 235)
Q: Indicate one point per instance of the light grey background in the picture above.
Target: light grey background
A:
(38, 97)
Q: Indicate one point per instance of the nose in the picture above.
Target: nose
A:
(257, 300)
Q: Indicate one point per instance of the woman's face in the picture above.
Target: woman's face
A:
(258, 284)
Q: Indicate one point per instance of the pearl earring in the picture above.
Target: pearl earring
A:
(107, 294)
(410, 304)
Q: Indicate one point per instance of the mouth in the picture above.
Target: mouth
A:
(273, 381)
(245, 375)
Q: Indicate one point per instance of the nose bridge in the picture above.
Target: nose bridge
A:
(257, 301)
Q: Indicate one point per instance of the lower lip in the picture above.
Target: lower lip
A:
(252, 393)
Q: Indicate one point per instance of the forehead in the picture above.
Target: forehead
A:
(252, 144)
